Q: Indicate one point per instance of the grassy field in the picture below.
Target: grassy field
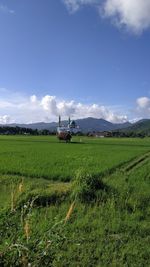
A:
(47, 158)
(79, 204)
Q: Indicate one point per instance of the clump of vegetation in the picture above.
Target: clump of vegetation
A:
(86, 185)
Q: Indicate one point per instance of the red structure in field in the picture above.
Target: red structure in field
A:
(65, 136)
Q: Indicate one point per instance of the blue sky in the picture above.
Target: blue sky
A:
(74, 57)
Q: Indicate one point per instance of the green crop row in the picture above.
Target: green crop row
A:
(46, 157)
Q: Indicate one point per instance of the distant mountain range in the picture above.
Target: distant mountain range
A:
(92, 124)
(140, 127)
(85, 125)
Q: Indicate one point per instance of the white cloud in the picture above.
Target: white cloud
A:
(4, 119)
(66, 108)
(5, 104)
(5, 9)
(134, 15)
(47, 108)
(143, 107)
(74, 5)
(135, 120)
(15, 107)
(143, 102)
(49, 104)
(33, 99)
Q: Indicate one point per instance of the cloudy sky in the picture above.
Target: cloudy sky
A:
(74, 57)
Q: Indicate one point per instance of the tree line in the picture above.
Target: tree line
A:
(7, 130)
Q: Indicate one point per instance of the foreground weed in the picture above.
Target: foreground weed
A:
(21, 186)
(27, 230)
(16, 191)
(12, 199)
(70, 211)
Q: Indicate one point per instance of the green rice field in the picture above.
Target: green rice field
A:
(47, 158)
(84, 204)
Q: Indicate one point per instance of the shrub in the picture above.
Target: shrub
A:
(86, 185)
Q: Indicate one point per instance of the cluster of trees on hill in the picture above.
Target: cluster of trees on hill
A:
(138, 129)
(130, 134)
(7, 130)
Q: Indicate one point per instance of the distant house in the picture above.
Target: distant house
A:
(103, 134)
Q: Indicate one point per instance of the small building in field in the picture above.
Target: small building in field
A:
(103, 134)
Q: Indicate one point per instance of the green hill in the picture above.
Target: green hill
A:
(141, 127)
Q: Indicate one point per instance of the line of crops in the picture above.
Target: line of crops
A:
(46, 157)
